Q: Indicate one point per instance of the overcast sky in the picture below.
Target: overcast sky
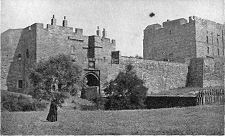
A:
(124, 20)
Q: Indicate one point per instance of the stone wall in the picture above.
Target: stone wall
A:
(206, 72)
(174, 41)
(18, 55)
(158, 75)
(209, 38)
(179, 40)
(35, 43)
(9, 54)
(213, 72)
(195, 73)
(57, 39)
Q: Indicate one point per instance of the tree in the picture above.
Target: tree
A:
(54, 78)
(126, 91)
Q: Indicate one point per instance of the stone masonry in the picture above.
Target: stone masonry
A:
(22, 48)
(180, 40)
(197, 42)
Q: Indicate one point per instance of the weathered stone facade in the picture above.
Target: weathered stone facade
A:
(196, 42)
(180, 40)
(22, 48)
(206, 72)
(158, 75)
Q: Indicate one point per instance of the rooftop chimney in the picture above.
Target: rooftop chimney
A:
(64, 24)
(53, 20)
(98, 31)
(104, 33)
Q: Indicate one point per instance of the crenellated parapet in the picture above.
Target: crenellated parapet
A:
(170, 24)
(53, 27)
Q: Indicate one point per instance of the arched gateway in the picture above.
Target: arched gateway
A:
(91, 85)
(92, 79)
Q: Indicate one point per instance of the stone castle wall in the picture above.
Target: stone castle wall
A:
(209, 38)
(18, 55)
(174, 41)
(180, 40)
(206, 72)
(36, 43)
(213, 72)
(158, 75)
(9, 52)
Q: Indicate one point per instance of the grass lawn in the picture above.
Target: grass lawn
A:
(190, 120)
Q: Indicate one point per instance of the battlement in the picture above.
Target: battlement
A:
(205, 22)
(174, 23)
(168, 24)
(99, 39)
(79, 31)
(57, 28)
(153, 27)
(182, 21)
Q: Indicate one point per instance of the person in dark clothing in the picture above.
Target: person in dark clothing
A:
(52, 115)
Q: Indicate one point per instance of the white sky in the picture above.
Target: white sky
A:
(124, 20)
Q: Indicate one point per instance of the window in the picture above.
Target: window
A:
(170, 31)
(217, 41)
(19, 57)
(208, 50)
(27, 53)
(218, 51)
(207, 39)
(20, 83)
(212, 37)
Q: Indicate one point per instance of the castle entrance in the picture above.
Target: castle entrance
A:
(91, 84)
(92, 79)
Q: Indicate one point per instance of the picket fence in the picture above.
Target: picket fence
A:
(210, 96)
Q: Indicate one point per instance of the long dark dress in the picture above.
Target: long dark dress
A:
(52, 115)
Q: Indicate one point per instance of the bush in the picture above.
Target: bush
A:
(127, 91)
(40, 105)
(11, 102)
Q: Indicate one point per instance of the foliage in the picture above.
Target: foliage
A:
(14, 103)
(55, 78)
(126, 91)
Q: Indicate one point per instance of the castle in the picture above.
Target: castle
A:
(175, 55)
(198, 42)
(179, 40)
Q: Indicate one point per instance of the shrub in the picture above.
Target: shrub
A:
(127, 91)
(11, 102)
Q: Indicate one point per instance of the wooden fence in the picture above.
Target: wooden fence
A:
(210, 96)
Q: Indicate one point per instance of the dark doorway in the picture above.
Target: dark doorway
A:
(92, 79)
(90, 90)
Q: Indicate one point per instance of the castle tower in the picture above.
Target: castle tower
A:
(104, 33)
(98, 31)
(64, 23)
(53, 20)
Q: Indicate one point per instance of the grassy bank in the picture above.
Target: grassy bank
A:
(191, 120)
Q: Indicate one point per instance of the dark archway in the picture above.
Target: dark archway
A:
(92, 79)
(91, 89)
